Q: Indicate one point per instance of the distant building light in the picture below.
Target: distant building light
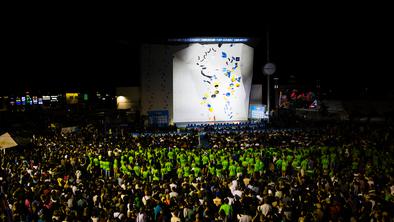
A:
(121, 99)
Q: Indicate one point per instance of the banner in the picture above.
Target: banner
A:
(6, 141)
(72, 129)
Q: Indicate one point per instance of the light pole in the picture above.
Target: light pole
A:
(276, 87)
(268, 70)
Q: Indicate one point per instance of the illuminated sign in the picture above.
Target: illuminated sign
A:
(53, 98)
(72, 98)
(35, 101)
(210, 40)
(28, 100)
(18, 101)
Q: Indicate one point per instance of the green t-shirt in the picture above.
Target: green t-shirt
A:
(96, 162)
(284, 165)
(211, 156)
(197, 171)
(197, 160)
(145, 174)
(170, 155)
(258, 166)
(186, 171)
(239, 169)
(179, 172)
(205, 160)
(226, 208)
(137, 170)
(278, 164)
(232, 170)
(212, 170)
(325, 163)
(218, 172)
(304, 164)
(168, 166)
(225, 164)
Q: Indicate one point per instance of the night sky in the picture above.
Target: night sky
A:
(346, 54)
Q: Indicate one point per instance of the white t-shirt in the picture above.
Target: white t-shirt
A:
(145, 199)
(141, 217)
(244, 218)
(173, 194)
(264, 209)
(175, 219)
(118, 215)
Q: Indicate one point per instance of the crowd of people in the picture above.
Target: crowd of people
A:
(332, 173)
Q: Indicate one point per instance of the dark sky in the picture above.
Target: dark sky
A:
(344, 52)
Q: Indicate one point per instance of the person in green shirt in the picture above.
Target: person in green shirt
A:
(115, 166)
(163, 172)
(205, 160)
(155, 173)
(240, 169)
(333, 160)
(183, 161)
(232, 171)
(170, 155)
(137, 170)
(102, 171)
(258, 167)
(211, 170)
(150, 157)
(225, 163)
(250, 160)
(212, 156)
(295, 164)
(197, 171)
(284, 167)
(168, 166)
(145, 174)
(325, 163)
(304, 164)
(107, 168)
(278, 165)
(186, 171)
(179, 172)
(227, 209)
(219, 172)
(289, 157)
(89, 168)
(96, 163)
(131, 159)
(197, 160)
